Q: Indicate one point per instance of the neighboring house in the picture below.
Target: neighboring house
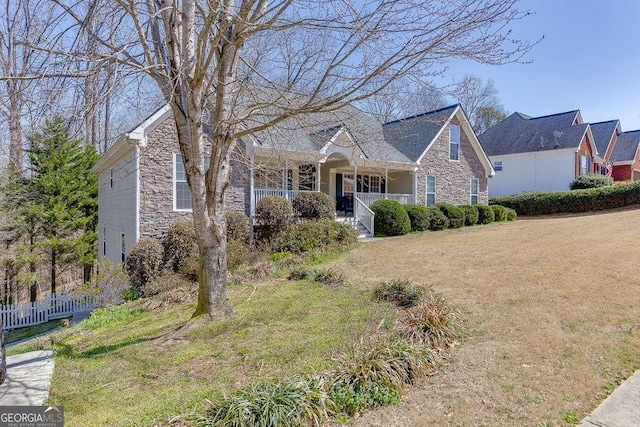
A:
(625, 157)
(539, 153)
(605, 135)
(424, 159)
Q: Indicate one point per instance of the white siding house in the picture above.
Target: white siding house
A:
(539, 171)
(117, 210)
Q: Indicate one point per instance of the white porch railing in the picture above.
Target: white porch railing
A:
(56, 306)
(363, 214)
(260, 194)
(369, 198)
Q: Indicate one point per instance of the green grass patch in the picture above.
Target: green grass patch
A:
(120, 369)
(111, 316)
(24, 333)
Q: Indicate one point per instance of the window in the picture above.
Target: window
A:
(497, 166)
(182, 194)
(272, 178)
(454, 142)
(104, 241)
(474, 191)
(123, 247)
(374, 184)
(111, 178)
(307, 177)
(585, 165)
(431, 190)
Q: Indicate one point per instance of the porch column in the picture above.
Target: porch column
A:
(285, 172)
(318, 177)
(355, 183)
(386, 183)
(252, 195)
(415, 187)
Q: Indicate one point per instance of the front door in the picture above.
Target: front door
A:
(345, 187)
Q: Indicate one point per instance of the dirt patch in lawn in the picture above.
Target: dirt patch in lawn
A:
(553, 311)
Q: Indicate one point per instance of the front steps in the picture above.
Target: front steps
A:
(363, 233)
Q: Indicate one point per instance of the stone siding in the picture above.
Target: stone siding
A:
(156, 182)
(453, 178)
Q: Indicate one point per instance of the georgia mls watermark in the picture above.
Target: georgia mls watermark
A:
(31, 416)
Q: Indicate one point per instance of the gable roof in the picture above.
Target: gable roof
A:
(412, 135)
(626, 146)
(312, 132)
(520, 133)
(602, 134)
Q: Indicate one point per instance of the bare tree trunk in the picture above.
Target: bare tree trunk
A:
(33, 288)
(3, 359)
(15, 141)
(212, 277)
(53, 272)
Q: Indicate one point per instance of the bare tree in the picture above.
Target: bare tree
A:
(256, 63)
(24, 24)
(479, 99)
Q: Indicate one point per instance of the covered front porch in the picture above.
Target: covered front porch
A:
(354, 184)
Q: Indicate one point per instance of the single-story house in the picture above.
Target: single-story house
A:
(424, 159)
(539, 153)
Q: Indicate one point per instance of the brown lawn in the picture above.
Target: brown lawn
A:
(553, 317)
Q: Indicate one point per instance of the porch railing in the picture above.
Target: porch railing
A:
(369, 198)
(262, 193)
(364, 214)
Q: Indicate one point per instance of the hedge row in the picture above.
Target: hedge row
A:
(394, 219)
(593, 199)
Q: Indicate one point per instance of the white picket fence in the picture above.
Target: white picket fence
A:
(56, 306)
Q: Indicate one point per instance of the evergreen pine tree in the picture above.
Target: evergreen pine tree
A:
(65, 193)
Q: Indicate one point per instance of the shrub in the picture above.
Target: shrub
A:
(308, 235)
(418, 216)
(144, 262)
(291, 402)
(111, 282)
(390, 218)
(499, 212)
(237, 253)
(470, 214)
(314, 205)
(274, 214)
(591, 181)
(511, 214)
(237, 226)
(300, 273)
(401, 292)
(485, 214)
(375, 370)
(437, 220)
(329, 277)
(592, 199)
(433, 322)
(453, 213)
(179, 243)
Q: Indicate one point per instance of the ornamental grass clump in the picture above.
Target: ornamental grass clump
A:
(433, 323)
(291, 402)
(400, 292)
(374, 371)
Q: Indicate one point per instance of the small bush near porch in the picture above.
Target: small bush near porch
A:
(390, 218)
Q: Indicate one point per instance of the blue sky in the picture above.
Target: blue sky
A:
(589, 60)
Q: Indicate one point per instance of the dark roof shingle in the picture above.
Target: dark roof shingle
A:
(626, 146)
(412, 135)
(602, 134)
(520, 133)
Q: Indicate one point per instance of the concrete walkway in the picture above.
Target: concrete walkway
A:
(28, 379)
(621, 409)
